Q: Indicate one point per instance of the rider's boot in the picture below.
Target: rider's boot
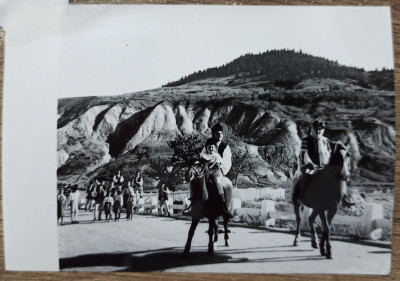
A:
(187, 211)
(227, 214)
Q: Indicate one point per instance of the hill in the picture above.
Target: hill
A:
(98, 135)
(289, 67)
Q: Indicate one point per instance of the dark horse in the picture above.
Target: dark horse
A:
(206, 203)
(322, 193)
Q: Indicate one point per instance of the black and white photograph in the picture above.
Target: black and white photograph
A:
(279, 160)
(222, 139)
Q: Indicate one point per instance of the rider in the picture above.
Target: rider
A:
(223, 149)
(225, 165)
(315, 154)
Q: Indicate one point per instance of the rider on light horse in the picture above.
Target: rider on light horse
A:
(315, 154)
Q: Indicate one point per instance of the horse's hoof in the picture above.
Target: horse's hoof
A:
(295, 243)
(210, 250)
(226, 244)
(323, 253)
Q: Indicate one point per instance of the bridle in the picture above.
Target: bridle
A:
(195, 172)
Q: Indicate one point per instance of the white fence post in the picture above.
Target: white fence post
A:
(267, 206)
(372, 212)
(235, 204)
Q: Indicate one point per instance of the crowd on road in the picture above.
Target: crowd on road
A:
(102, 198)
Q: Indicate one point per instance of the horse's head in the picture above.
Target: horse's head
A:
(341, 158)
(196, 176)
(196, 171)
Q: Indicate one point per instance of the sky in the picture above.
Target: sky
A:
(116, 49)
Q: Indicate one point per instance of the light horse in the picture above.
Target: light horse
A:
(205, 203)
(323, 192)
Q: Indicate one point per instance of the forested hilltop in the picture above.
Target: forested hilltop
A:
(290, 67)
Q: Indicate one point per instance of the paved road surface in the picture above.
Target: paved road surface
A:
(150, 243)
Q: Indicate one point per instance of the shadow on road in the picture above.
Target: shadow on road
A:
(167, 258)
(156, 260)
(379, 252)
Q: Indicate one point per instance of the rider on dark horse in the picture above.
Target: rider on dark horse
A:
(315, 155)
(219, 155)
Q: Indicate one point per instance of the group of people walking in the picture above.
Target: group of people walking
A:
(72, 196)
(115, 197)
(101, 198)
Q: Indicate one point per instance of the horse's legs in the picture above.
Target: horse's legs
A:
(311, 220)
(325, 236)
(296, 206)
(215, 232)
(226, 236)
(331, 214)
(211, 227)
(192, 229)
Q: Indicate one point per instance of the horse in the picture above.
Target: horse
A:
(206, 203)
(322, 193)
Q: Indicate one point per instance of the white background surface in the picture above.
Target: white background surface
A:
(54, 50)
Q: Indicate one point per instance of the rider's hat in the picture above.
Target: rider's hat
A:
(318, 124)
(217, 128)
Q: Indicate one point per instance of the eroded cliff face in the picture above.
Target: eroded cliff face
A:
(96, 131)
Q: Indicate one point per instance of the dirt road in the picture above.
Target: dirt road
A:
(150, 243)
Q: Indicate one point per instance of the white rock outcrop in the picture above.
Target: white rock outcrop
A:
(108, 123)
(160, 125)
